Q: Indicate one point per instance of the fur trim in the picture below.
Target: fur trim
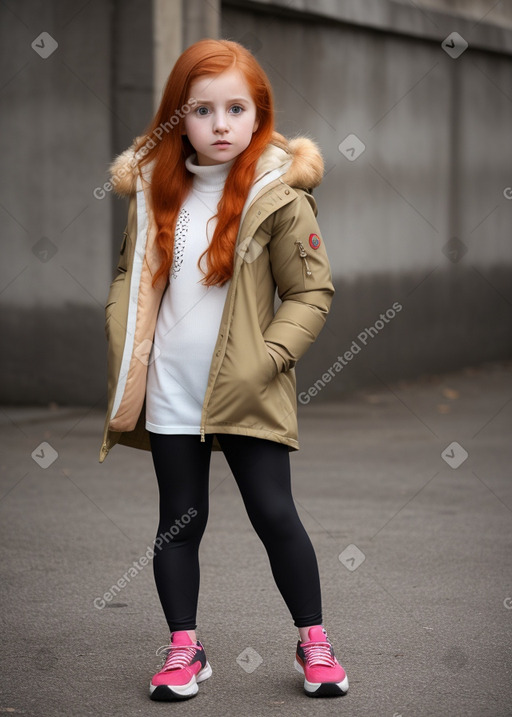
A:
(306, 170)
(123, 171)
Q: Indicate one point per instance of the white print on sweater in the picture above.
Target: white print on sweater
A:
(179, 241)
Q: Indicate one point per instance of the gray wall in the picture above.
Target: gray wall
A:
(436, 164)
(437, 160)
(63, 117)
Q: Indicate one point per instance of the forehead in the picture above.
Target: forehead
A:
(229, 84)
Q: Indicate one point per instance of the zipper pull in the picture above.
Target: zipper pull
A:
(202, 435)
(304, 255)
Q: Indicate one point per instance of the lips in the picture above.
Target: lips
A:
(222, 143)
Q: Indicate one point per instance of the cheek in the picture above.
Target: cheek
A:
(188, 126)
(192, 127)
(251, 123)
(251, 127)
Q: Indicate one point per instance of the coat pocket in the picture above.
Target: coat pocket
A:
(122, 264)
(113, 297)
(270, 366)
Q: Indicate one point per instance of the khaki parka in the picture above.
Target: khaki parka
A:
(251, 387)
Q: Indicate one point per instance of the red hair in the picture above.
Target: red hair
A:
(170, 179)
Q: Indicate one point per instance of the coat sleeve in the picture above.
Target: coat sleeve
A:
(302, 273)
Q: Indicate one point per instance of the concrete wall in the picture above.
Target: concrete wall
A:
(63, 117)
(435, 166)
(436, 162)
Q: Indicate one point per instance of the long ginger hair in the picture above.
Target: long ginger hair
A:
(170, 179)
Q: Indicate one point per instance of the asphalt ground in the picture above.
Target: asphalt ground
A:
(406, 493)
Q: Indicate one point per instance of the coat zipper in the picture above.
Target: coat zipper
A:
(304, 256)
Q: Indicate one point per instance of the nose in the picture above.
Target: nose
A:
(220, 124)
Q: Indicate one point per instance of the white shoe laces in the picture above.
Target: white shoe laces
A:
(319, 653)
(179, 657)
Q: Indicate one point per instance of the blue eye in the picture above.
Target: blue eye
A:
(200, 112)
(237, 109)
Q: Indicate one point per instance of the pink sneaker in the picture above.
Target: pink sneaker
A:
(184, 666)
(323, 675)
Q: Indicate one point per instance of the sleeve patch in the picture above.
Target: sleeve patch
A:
(314, 241)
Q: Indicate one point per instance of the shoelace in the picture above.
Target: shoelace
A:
(179, 657)
(319, 653)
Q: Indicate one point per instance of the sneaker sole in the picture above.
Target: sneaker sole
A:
(170, 693)
(323, 689)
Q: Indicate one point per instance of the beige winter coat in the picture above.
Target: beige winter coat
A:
(251, 387)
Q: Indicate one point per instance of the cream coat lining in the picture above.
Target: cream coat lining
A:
(138, 261)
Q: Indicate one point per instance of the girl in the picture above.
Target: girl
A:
(220, 215)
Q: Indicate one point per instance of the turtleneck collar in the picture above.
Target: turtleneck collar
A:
(208, 178)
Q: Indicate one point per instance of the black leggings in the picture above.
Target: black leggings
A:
(262, 471)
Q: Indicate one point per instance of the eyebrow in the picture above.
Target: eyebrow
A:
(234, 99)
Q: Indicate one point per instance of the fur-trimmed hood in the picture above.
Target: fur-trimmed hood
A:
(299, 158)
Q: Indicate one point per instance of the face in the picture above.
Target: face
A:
(222, 123)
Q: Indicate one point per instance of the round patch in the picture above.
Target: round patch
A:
(314, 241)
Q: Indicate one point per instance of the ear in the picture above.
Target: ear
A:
(256, 125)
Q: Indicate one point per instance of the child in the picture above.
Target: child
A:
(220, 215)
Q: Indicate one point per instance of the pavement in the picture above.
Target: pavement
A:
(406, 493)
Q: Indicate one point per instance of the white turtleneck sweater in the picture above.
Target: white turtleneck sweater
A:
(190, 313)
